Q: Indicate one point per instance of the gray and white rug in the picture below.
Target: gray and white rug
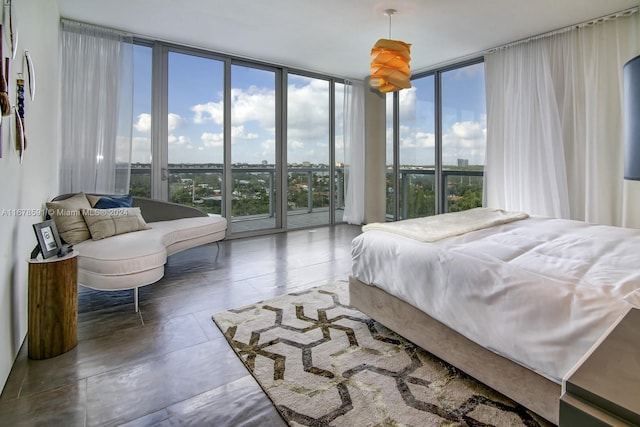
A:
(324, 363)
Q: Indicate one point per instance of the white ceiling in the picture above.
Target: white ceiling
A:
(335, 36)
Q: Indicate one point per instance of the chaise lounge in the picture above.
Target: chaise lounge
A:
(127, 258)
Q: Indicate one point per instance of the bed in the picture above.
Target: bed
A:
(514, 303)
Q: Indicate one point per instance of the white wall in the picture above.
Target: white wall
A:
(35, 181)
(375, 125)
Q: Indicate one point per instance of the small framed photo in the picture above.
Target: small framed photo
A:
(48, 238)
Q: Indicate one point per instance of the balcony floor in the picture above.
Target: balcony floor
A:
(295, 220)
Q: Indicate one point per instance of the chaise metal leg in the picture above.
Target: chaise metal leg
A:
(135, 299)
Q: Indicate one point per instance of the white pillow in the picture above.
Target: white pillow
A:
(67, 214)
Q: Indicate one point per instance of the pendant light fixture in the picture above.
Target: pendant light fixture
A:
(390, 59)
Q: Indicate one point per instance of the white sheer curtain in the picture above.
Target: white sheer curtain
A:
(354, 152)
(555, 138)
(96, 109)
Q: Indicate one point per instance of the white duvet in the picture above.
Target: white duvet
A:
(538, 291)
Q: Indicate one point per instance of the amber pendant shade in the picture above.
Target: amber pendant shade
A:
(390, 69)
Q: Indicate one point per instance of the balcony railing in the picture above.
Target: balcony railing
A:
(312, 183)
(308, 188)
(414, 179)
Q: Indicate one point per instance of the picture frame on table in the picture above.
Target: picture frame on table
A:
(48, 239)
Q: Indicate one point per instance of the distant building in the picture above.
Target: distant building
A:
(463, 162)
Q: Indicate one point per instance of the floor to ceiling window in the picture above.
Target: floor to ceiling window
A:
(417, 150)
(250, 141)
(436, 137)
(308, 151)
(254, 141)
(464, 136)
(195, 152)
(339, 150)
(140, 181)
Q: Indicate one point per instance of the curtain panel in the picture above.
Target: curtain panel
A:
(96, 109)
(354, 152)
(555, 138)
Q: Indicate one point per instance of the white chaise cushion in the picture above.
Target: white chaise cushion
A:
(124, 253)
(178, 230)
(135, 259)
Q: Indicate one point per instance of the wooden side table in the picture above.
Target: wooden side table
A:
(53, 306)
(604, 387)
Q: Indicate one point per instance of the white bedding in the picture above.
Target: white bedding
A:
(539, 291)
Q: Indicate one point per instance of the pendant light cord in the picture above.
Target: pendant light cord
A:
(390, 13)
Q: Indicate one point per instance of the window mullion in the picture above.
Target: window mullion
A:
(227, 174)
(439, 180)
(159, 127)
(396, 156)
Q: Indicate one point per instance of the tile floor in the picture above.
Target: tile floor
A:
(169, 364)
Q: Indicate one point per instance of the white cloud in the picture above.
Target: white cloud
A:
(253, 122)
(408, 99)
(209, 112)
(176, 122)
(180, 140)
(308, 110)
(465, 140)
(268, 150)
(295, 144)
(308, 121)
(141, 150)
(239, 132)
(144, 123)
(425, 140)
(254, 104)
(212, 139)
(468, 130)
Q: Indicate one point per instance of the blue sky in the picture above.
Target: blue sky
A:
(464, 118)
(196, 114)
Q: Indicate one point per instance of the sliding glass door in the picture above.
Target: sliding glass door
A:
(308, 152)
(254, 149)
(141, 177)
(195, 149)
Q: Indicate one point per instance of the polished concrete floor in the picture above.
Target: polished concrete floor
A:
(169, 364)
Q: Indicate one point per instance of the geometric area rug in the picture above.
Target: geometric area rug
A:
(323, 363)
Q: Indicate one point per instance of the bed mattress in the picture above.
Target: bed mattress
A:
(538, 291)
